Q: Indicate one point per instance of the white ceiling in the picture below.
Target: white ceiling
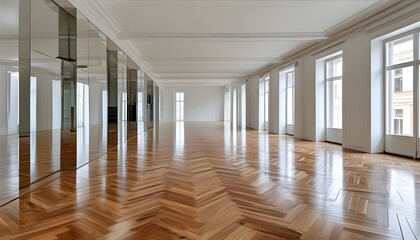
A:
(213, 42)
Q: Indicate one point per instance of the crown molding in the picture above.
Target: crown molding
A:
(291, 36)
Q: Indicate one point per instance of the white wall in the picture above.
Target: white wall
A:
(201, 103)
(252, 102)
(356, 83)
(273, 124)
(299, 103)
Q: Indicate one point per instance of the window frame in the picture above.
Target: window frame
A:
(332, 80)
(415, 64)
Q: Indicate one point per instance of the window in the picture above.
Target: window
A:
(398, 113)
(334, 82)
(290, 81)
(400, 85)
(179, 106)
(398, 126)
(399, 50)
(82, 104)
(263, 101)
(243, 105)
(266, 96)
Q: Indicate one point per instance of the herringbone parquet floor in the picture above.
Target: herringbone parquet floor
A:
(208, 181)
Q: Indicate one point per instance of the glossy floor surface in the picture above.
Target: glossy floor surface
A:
(209, 181)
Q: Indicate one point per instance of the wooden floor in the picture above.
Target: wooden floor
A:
(208, 181)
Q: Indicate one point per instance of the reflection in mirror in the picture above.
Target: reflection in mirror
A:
(149, 103)
(67, 53)
(132, 102)
(117, 98)
(122, 98)
(156, 101)
(9, 95)
(45, 83)
(82, 90)
(98, 74)
(112, 99)
(141, 103)
(97, 92)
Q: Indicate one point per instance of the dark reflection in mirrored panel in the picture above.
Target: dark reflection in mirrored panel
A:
(112, 99)
(9, 99)
(69, 107)
(149, 102)
(132, 102)
(117, 98)
(45, 90)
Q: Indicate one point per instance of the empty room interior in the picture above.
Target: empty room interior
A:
(210, 119)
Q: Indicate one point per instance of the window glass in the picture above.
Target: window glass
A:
(400, 101)
(334, 68)
(179, 106)
(399, 50)
(290, 81)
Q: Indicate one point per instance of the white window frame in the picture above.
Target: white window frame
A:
(327, 81)
(407, 145)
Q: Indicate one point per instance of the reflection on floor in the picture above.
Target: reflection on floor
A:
(209, 181)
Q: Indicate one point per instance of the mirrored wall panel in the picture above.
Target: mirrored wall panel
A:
(82, 91)
(117, 98)
(149, 101)
(45, 90)
(9, 100)
(132, 82)
(122, 98)
(92, 95)
(141, 102)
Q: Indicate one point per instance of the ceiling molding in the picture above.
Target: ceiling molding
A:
(217, 59)
(133, 1)
(291, 36)
(195, 68)
(199, 72)
(196, 79)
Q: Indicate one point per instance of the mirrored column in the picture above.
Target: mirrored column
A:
(9, 99)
